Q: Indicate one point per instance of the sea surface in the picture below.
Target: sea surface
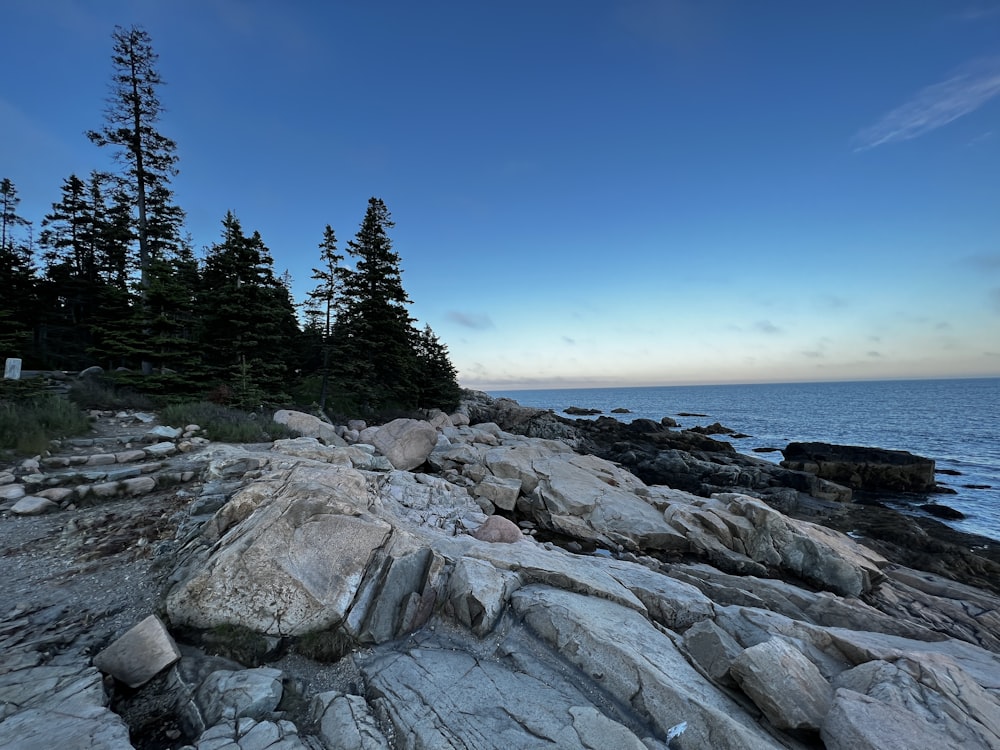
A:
(955, 422)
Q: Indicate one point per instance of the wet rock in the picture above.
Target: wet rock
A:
(579, 411)
(862, 468)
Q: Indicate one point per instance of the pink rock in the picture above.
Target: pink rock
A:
(498, 529)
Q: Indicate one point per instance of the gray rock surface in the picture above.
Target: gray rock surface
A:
(625, 615)
(140, 654)
(308, 425)
(405, 442)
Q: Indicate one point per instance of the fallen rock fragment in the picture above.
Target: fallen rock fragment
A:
(139, 655)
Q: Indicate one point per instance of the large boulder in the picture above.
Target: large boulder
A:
(306, 425)
(291, 561)
(862, 468)
(405, 442)
(590, 498)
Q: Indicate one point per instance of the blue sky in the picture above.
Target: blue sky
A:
(586, 192)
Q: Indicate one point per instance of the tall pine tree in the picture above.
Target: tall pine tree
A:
(130, 125)
(150, 161)
(18, 306)
(323, 304)
(376, 361)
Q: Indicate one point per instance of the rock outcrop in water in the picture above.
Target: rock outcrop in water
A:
(862, 468)
(510, 591)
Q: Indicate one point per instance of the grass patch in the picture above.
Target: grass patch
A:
(223, 423)
(103, 394)
(30, 420)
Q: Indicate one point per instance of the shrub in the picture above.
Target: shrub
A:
(29, 423)
(223, 423)
(104, 394)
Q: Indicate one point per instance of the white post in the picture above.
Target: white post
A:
(12, 369)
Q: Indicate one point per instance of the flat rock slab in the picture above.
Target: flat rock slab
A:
(439, 695)
(75, 726)
(161, 450)
(32, 505)
(11, 492)
(140, 654)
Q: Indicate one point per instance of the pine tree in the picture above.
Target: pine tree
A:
(437, 383)
(130, 125)
(9, 219)
(69, 290)
(247, 317)
(323, 303)
(376, 361)
(18, 305)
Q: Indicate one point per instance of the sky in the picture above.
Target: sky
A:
(586, 193)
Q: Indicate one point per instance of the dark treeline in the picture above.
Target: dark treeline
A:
(110, 278)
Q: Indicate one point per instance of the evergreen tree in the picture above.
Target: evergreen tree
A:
(323, 303)
(130, 125)
(437, 383)
(247, 317)
(111, 317)
(18, 305)
(69, 290)
(376, 361)
(9, 219)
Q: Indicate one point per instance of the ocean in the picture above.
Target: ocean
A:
(955, 422)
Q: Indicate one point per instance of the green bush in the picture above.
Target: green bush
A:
(223, 423)
(28, 424)
(106, 395)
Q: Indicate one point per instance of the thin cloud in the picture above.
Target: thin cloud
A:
(935, 106)
(766, 326)
(476, 321)
(981, 138)
(986, 262)
(995, 299)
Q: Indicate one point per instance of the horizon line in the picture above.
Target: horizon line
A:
(708, 384)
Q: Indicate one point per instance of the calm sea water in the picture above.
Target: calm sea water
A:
(955, 422)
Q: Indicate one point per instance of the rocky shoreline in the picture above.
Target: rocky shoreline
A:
(499, 577)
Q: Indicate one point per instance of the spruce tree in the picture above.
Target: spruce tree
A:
(18, 305)
(437, 383)
(376, 361)
(9, 218)
(247, 317)
(130, 125)
(323, 304)
(69, 291)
